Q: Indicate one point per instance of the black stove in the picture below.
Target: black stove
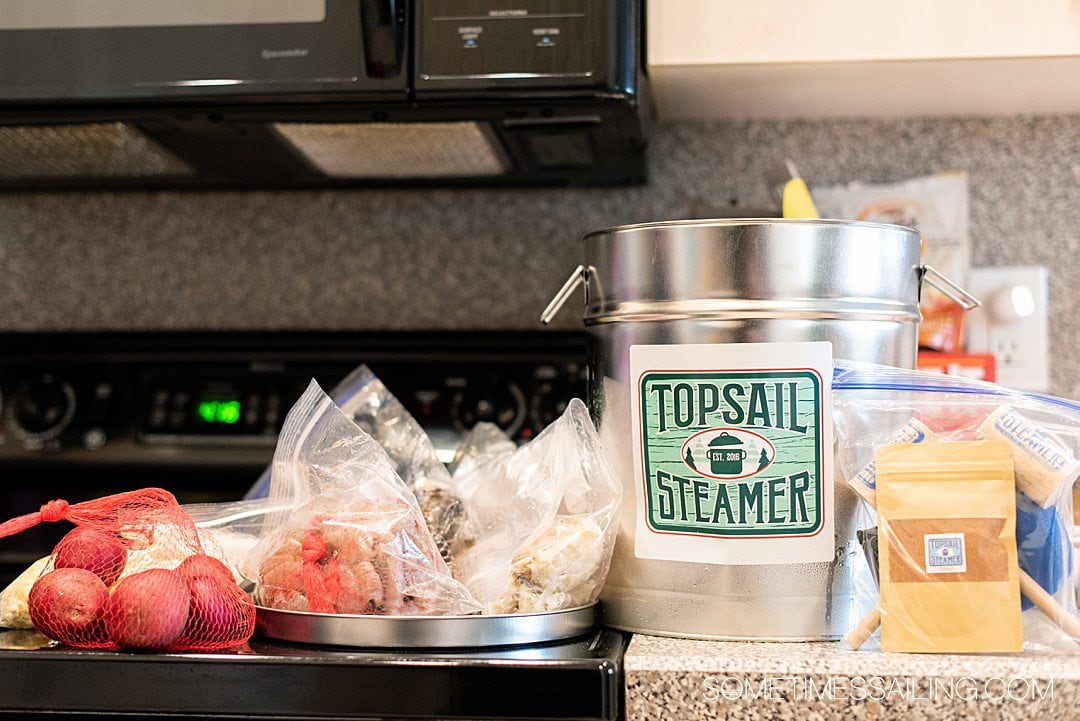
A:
(576, 679)
(85, 415)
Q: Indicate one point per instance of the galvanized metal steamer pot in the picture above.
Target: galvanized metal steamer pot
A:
(726, 281)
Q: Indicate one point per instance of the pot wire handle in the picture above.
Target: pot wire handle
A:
(577, 277)
(954, 292)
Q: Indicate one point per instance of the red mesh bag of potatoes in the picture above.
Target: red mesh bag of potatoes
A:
(133, 574)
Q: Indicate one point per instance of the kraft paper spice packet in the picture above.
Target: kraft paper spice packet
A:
(1042, 462)
(947, 530)
(865, 481)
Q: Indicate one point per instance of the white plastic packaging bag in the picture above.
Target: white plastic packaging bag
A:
(356, 542)
(479, 469)
(365, 399)
(542, 519)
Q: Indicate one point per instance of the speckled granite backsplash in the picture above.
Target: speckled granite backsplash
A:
(489, 258)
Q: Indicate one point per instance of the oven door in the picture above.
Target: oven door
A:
(131, 49)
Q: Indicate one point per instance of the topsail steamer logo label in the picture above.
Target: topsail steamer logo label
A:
(734, 454)
(755, 437)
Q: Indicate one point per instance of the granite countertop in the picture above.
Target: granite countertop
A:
(668, 678)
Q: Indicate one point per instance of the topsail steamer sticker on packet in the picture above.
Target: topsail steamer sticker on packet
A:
(733, 452)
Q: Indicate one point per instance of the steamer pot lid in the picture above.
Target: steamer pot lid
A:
(872, 266)
(751, 222)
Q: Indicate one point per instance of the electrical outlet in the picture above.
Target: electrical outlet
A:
(1011, 323)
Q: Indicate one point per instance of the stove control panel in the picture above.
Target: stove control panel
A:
(212, 400)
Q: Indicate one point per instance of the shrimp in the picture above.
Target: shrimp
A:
(378, 559)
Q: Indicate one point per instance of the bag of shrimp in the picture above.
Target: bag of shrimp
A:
(353, 540)
(133, 574)
(541, 518)
(366, 400)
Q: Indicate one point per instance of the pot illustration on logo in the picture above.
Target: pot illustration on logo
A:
(731, 453)
(724, 458)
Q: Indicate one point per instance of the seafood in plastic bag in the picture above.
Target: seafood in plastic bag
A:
(546, 545)
(357, 543)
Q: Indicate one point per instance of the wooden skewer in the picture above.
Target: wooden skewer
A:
(1046, 603)
(1035, 593)
(864, 629)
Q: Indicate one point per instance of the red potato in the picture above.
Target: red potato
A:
(220, 614)
(201, 564)
(92, 550)
(148, 610)
(68, 605)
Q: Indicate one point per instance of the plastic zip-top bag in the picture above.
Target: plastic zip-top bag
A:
(1023, 447)
(366, 400)
(354, 540)
(542, 518)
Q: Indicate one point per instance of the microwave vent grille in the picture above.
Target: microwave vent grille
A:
(83, 150)
(397, 150)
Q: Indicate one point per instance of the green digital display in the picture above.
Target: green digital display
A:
(225, 411)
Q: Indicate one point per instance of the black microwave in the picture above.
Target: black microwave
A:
(305, 93)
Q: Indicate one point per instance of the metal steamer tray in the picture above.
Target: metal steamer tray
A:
(424, 631)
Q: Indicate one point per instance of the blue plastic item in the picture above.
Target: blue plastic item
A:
(1043, 545)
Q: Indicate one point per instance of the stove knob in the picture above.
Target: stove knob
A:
(41, 409)
(503, 405)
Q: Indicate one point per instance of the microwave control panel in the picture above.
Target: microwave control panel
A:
(523, 42)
